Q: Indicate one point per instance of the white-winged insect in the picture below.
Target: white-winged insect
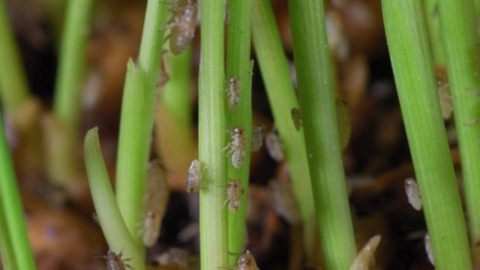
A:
(233, 92)
(413, 194)
(297, 118)
(237, 146)
(428, 249)
(246, 261)
(182, 24)
(234, 193)
(156, 200)
(366, 257)
(257, 137)
(274, 145)
(194, 178)
(115, 261)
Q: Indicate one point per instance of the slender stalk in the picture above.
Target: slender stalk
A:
(415, 80)
(173, 122)
(275, 73)
(316, 92)
(14, 218)
(431, 19)
(212, 137)
(7, 254)
(109, 217)
(460, 42)
(71, 69)
(136, 125)
(238, 65)
(13, 81)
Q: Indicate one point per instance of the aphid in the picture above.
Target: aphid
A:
(246, 262)
(297, 118)
(182, 24)
(274, 146)
(234, 193)
(194, 179)
(115, 262)
(237, 146)
(428, 249)
(257, 137)
(284, 201)
(413, 194)
(156, 200)
(233, 92)
(366, 257)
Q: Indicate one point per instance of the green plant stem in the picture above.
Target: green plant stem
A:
(7, 255)
(238, 64)
(431, 19)
(137, 116)
(276, 75)
(316, 93)
(113, 227)
(13, 81)
(212, 137)
(460, 42)
(417, 91)
(14, 218)
(71, 69)
(173, 126)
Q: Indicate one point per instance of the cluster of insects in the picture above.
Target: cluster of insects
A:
(413, 194)
(156, 200)
(182, 24)
(234, 193)
(115, 261)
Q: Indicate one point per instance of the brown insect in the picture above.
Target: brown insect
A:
(257, 137)
(233, 92)
(274, 146)
(237, 146)
(234, 193)
(182, 24)
(194, 179)
(156, 199)
(246, 262)
(115, 261)
(297, 118)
